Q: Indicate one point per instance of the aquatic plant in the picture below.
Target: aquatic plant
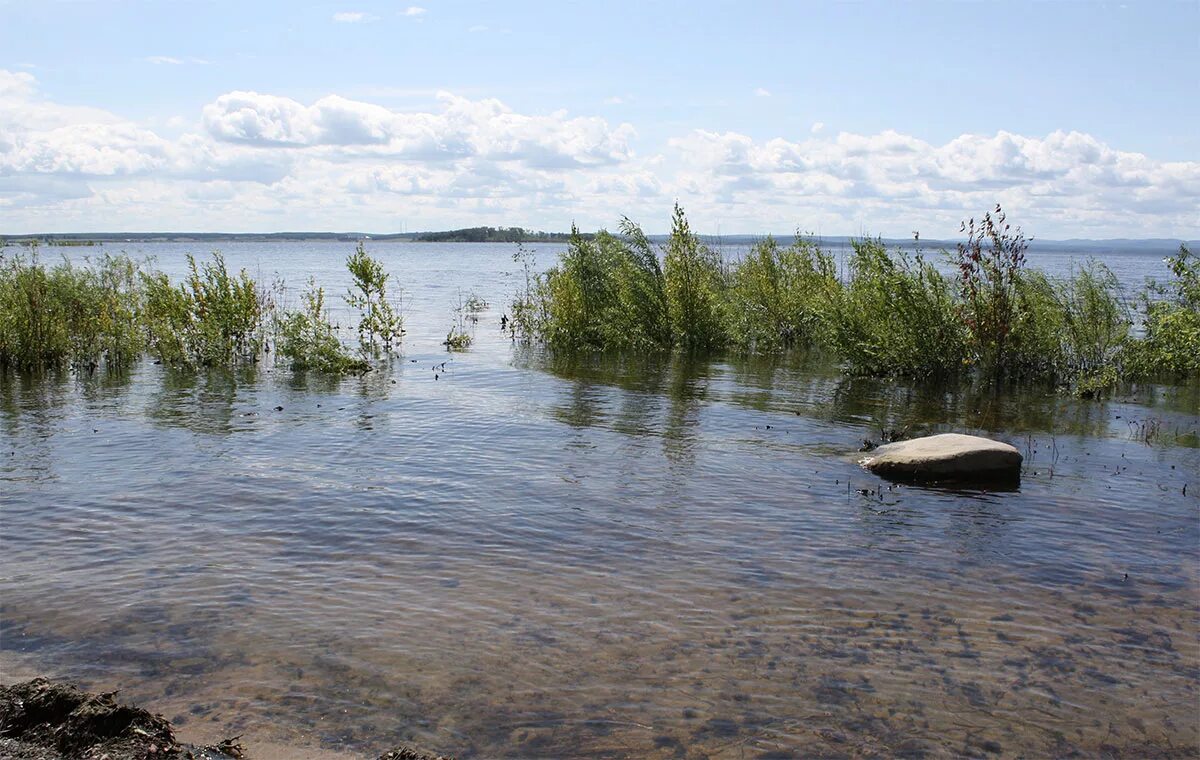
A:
(307, 339)
(458, 338)
(1171, 345)
(989, 265)
(778, 298)
(474, 304)
(693, 282)
(606, 293)
(78, 316)
(380, 326)
(212, 319)
(528, 321)
(896, 315)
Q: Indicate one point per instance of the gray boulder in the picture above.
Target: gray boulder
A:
(949, 456)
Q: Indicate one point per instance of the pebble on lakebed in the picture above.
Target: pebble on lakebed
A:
(949, 456)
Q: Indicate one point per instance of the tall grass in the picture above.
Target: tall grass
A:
(890, 313)
(111, 311)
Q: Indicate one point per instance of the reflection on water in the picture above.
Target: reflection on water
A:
(520, 556)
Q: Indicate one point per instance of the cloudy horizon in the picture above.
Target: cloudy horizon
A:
(229, 149)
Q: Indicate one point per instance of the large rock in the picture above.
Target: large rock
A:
(950, 456)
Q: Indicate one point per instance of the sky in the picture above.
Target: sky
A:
(1082, 119)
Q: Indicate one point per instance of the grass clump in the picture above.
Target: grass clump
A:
(307, 339)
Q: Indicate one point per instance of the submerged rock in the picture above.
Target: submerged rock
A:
(949, 456)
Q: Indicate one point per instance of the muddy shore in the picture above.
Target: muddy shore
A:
(43, 720)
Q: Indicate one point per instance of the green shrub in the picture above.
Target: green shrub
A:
(212, 319)
(529, 307)
(779, 298)
(896, 315)
(693, 282)
(82, 317)
(606, 293)
(308, 340)
(1170, 348)
(380, 327)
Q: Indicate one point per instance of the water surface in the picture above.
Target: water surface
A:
(500, 554)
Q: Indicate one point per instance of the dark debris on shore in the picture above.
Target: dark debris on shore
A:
(41, 720)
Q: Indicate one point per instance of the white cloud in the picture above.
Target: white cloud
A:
(477, 28)
(413, 11)
(762, 92)
(462, 128)
(265, 161)
(817, 127)
(354, 17)
(615, 100)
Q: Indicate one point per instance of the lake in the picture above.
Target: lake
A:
(499, 553)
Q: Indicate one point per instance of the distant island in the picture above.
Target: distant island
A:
(464, 235)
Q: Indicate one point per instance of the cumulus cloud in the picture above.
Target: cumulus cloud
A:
(893, 174)
(485, 128)
(762, 92)
(266, 161)
(413, 11)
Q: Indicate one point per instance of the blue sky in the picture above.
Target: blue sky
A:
(837, 117)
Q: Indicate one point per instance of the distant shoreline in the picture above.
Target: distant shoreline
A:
(515, 235)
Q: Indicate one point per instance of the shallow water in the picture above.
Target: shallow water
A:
(511, 556)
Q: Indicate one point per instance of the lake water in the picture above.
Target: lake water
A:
(499, 554)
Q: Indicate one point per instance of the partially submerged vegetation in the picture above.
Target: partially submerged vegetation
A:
(882, 313)
(113, 311)
(982, 313)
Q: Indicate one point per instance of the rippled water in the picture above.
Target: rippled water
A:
(511, 556)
